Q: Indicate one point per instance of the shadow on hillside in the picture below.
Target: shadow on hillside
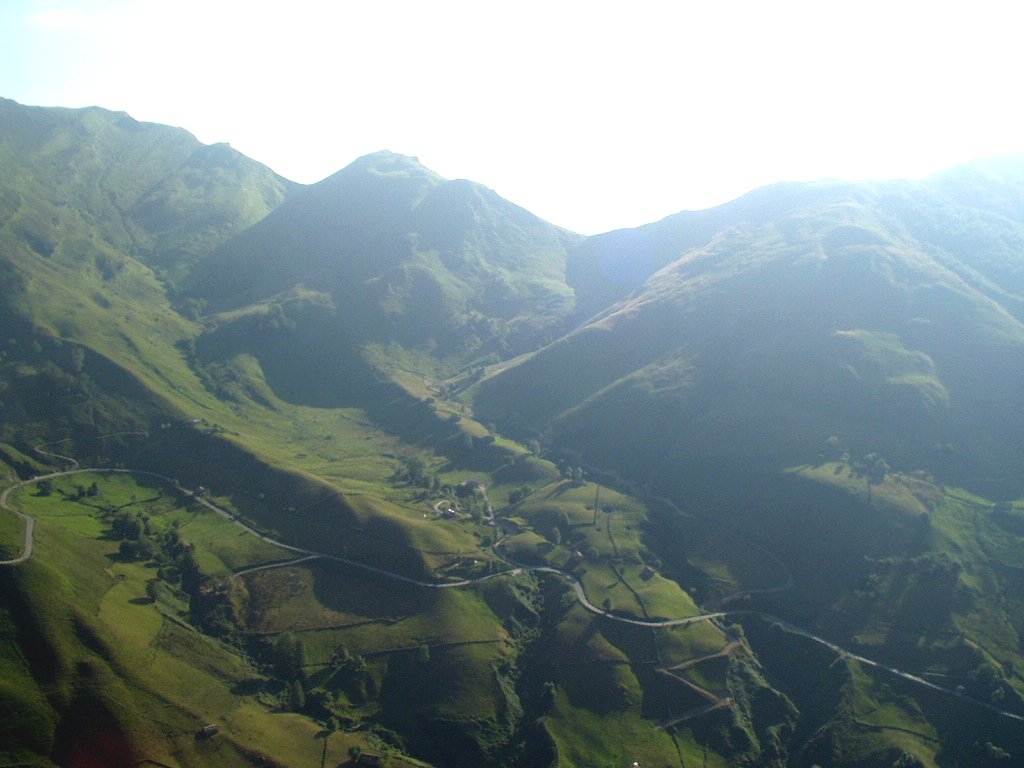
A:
(249, 687)
(349, 590)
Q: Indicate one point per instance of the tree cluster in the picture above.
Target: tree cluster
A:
(574, 474)
(413, 470)
(519, 494)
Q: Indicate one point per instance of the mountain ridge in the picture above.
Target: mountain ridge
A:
(781, 282)
(413, 374)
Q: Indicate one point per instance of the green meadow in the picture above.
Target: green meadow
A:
(120, 641)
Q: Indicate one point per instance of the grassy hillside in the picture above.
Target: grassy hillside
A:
(98, 211)
(107, 662)
(769, 410)
(437, 274)
(829, 318)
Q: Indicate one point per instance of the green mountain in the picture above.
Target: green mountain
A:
(384, 266)
(888, 315)
(808, 370)
(100, 216)
(386, 467)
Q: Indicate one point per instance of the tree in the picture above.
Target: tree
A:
(341, 654)
(414, 471)
(907, 760)
(289, 657)
(45, 487)
(296, 696)
(562, 521)
(993, 752)
(128, 550)
(519, 494)
(126, 526)
(188, 567)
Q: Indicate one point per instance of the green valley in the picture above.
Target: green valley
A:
(387, 470)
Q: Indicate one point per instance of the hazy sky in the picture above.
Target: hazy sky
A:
(594, 115)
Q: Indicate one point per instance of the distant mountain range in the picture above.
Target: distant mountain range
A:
(805, 402)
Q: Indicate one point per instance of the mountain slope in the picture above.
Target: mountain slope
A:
(759, 388)
(148, 190)
(99, 214)
(848, 313)
(384, 253)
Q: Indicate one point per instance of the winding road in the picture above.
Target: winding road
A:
(30, 523)
(516, 570)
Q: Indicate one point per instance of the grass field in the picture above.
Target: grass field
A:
(160, 679)
(331, 605)
(585, 738)
(222, 546)
(898, 717)
(12, 535)
(605, 549)
(903, 495)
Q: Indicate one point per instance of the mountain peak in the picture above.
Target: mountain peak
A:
(387, 163)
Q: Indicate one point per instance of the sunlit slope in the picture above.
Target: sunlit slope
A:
(863, 312)
(79, 182)
(307, 371)
(97, 212)
(110, 658)
(608, 267)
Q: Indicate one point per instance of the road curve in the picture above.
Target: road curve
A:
(30, 523)
(516, 570)
(72, 463)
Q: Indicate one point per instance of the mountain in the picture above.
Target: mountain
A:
(384, 265)
(99, 216)
(888, 315)
(149, 190)
(388, 466)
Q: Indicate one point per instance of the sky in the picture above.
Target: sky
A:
(593, 115)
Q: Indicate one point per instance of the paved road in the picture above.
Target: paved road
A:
(30, 524)
(71, 462)
(517, 570)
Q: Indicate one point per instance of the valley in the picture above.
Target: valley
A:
(386, 466)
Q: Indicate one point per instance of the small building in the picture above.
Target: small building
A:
(208, 731)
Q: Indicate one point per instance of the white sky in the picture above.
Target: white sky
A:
(594, 115)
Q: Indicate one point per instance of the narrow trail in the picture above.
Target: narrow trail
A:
(682, 666)
(789, 583)
(696, 712)
(72, 463)
(30, 524)
(516, 570)
(271, 566)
